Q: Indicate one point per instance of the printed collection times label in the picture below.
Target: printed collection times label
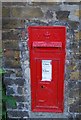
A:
(46, 70)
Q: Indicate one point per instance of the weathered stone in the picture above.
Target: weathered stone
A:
(49, 14)
(73, 99)
(20, 90)
(74, 75)
(11, 54)
(17, 114)
(17, 81)
(27, 12)
(20, 98)
(74, 24)
(10, 90)
(12, 63)
(12, 23)
(20, 106)
(74, 107)
(10, 44)
(78, 35)
(78, 13)
(62, 15)
(12, 4)
(45, 3)
(10, 35)
(5, 12)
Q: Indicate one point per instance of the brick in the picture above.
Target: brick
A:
(9, 90)
(77, 55)
(10, 44)
(27, 12)
(78, 36)
(5, 12)
(12, 63)
(20, 98)
(74, 24)
(12, 23)
(75, 107)
(11, 4)
(19, 81)
(10, 35)
(20, 90)
(17, 72)
(78, 13)
(74, 75)
(12, 54)
(46, 3)
(17, 114)
(20, 106)
(62, 15)
(72, 65)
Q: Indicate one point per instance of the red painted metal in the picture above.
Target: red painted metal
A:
(47, 60)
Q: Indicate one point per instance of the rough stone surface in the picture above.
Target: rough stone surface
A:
(10, 45)
(27, 12)
(6, 12)
(16, 61)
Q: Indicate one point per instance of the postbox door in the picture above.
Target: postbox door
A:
(47, 82)
(46, 95)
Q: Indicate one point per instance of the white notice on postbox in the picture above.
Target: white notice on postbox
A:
(46, 70)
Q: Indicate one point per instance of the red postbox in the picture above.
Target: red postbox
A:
(47, 61)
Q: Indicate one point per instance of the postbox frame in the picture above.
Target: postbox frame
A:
(34, 49)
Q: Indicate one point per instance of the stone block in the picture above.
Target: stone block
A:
(5, 12)
(10, 90)
(12, 4)
(17, 81)
(10, 45)
(20, 90)
(20, 106)
(73, 98)
(12, 63)
(72, 66)
(78, 13)
(12, 54)
(74, 75)
(74, 24)
(27, 12)
(20, 98)
(78, 36)
(62, 15)
(20, 114)
(11, 23)
(75, 107)
(9, 35)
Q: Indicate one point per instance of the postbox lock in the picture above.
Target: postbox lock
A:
(42, 86)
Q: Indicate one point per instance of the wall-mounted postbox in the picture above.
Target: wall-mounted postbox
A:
(47, 61)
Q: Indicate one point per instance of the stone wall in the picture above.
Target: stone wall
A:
(16, 17)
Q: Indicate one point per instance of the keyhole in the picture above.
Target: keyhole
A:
(42, 86)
